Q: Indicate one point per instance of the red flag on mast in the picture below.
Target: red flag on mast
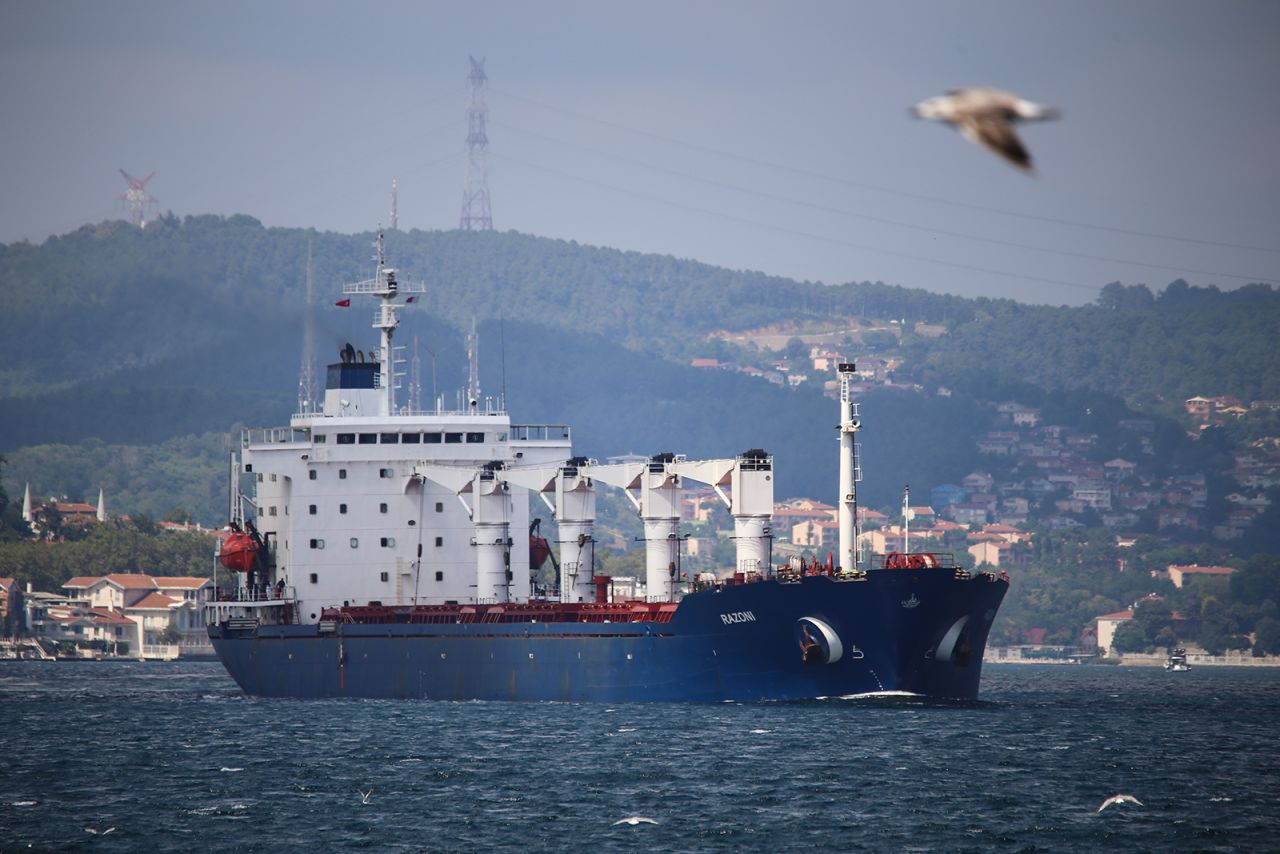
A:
(343, 303)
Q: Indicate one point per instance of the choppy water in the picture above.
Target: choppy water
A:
(174, 758)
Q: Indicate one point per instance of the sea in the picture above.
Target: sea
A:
(119, 756)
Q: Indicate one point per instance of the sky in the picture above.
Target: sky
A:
(771, 136)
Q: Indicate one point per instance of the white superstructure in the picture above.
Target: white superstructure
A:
(366, 502)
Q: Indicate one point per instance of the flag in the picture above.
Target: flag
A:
(343, 303)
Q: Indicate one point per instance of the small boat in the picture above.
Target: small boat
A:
(1177, 661)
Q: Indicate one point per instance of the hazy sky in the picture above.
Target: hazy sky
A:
(753, 135)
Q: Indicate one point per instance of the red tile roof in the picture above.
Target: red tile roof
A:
(1203, 570)
(132, 580)
(1118, 615)
(83, 581)
(156, 602)
(184, 582)
(106, 615)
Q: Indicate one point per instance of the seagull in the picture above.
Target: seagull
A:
(97, 832)
(986, 116)
(1119, 799)
(364, 796)
(633, 820)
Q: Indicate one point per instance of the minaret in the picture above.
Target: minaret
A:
(26, 504)
(102, 505)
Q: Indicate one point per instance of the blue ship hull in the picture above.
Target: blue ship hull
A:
(916, 631)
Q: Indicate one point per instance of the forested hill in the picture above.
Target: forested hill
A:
(1145, 348)
(115, 297)
(135, 337)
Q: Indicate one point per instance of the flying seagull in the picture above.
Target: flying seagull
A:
(633, 820)
(1119, 799)
(986, 117)
(364, 796)
(96, 832)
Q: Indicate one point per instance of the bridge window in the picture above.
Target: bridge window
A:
(346, 438)
(368, 438)
(411, 438)
(320, 438)
(453, 438)
(431, 438)
(389, 438)
(475, 437)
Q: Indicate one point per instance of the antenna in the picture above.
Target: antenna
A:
(306, 374)
(473, 367)
(395, 204)
(475, 194)
(140, 202)
(502, 344)
(415, 379)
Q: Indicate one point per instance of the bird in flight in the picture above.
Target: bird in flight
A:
(986, 117)
(364, 796)
(633, 820)
(1119, 799)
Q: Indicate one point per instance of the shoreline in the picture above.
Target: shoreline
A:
(1003, 656)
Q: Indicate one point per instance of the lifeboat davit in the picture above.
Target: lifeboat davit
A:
(239, 552)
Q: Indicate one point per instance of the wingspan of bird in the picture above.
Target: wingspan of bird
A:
(633, 820)
(1119, 799)
(364, 796)
(986, 116)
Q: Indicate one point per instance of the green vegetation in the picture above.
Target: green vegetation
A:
(130, 356)
(134, 546)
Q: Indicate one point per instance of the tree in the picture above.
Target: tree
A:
(171, 634)
(1267, 636)
(1130, 637)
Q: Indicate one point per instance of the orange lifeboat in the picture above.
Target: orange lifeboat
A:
(239, 552)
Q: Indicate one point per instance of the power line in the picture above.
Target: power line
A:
(793, 231)
(862, 185)
(686, 176)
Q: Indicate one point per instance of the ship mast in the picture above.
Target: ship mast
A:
(849, 475)
(387, 288)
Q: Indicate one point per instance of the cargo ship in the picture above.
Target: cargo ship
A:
(378, 550)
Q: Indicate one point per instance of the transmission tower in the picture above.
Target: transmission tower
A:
(142, 205)
(475, 195)
(395, 204)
